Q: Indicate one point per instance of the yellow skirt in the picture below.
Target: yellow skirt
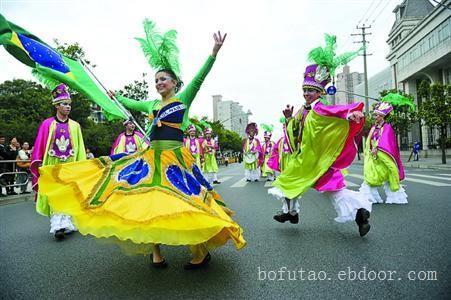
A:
(154, 196)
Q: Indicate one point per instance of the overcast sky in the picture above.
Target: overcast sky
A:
(260, 65)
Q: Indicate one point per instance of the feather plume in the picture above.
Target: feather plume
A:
(327, 57)
(396, 99)
(160, 50)
(267, 128)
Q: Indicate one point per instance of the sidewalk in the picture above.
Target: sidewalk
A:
(423, 163)
(11, 199)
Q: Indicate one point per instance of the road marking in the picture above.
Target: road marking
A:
(240, 183)
(222, 179)
(433, 183)
(449, 175)
(351, 184)
(429, 176)
(427, 182)
(268, 184)
(356, 176)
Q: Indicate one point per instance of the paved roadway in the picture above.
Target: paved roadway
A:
(405, 241)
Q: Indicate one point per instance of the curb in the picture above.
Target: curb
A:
(16, 199)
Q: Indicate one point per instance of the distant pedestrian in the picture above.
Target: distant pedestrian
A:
(416, 151)
(11, 152)
(23, 167)
(89, 154)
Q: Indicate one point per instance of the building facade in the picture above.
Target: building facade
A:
(347, 81)
(420, 49)
(376, 84)
(230, 114)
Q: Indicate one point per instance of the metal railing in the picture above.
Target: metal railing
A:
(7, 170)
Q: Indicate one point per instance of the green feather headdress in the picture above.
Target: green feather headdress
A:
(396, 99)
(267, 128)
(327, 57)
(160, 50)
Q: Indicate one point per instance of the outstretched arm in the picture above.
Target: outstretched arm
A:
(143, 106)
(189, 93)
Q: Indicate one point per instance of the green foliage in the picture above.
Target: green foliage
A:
(435, 109)
(23, 106)
(74, 51)
(137, 90)
(228, 140)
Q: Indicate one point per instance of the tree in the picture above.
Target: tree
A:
(435, 109)
(137, 90)
(74, 51)
(23, 106)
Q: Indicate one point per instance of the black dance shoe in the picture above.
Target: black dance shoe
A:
(294, 219)
(361, 219)
(158, 265)
(59, 234)
(203, 263)
(282, 218)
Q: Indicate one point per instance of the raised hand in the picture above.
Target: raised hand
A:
(288, 112)
(356, 116)
(110, 94)
(219, 40)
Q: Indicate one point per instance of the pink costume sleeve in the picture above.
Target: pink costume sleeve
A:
(261, 155)
(273, 161)
(333, 179)
(38, 154)
(387, 143)
(116, 143)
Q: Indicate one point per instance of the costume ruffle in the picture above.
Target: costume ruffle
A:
(154, 196)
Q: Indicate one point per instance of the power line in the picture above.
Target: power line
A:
(380, 12)
(374, 10)
(367, 10)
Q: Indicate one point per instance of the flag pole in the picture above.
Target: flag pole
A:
(121, 107)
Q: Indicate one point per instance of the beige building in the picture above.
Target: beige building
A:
(230, 114)
(420, 49)
(347, 81)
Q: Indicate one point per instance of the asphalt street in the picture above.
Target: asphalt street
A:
(404, 256)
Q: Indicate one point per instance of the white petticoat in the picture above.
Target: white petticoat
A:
(60, 221)
(346, 204)
(397, 197)
(252, 174)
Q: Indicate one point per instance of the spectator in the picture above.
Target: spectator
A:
(2, 165)
(11, 152)
(89, 154)
(416, 151)
(23, 166)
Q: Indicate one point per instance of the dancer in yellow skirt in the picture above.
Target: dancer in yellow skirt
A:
(156, 196)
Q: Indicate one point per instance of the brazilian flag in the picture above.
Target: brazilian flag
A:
(52, 67)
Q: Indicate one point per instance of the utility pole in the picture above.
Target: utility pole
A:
(365, 71)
